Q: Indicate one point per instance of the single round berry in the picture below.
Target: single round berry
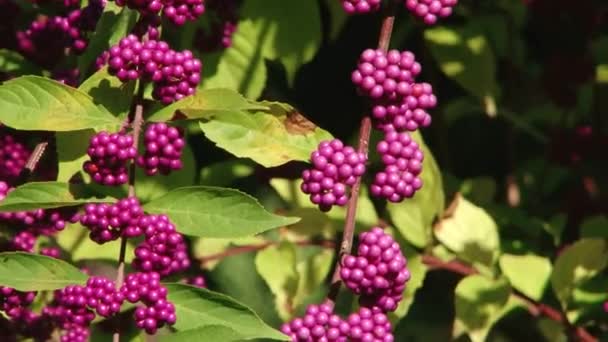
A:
(430, 10)
(110, 154)
(163, 149)
(198, 281)
(361, 6)
(378, 273)
(386, 75)
(402, 159)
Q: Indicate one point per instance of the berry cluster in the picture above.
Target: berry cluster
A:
(157, 310)
(164, 145)
(175, 74)
(109, 155)
(13, 155)
(335, 167)
(430, 10)
(163, 250)
(378, 273)
(108, 222)
(402, 158)
(318, 324)
(223, 26)
(386, 75)
(407, 115)
(361, 6)
(23, 241)
(177, 11)
(13, 302)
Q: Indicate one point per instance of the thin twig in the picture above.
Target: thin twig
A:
(136, 117)
(32, 162)
(364, 134)
(534, 307)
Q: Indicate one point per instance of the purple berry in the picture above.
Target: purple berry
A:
(13, 155)
(110, 154)
(361, 6)
(369, 325)
(378, 273)
(14, 302)
(198, 281)
(164, 146)
(386, 75)
(318, 324)
(409, 113)
(335, 167)
(430, 10)
(108, 222)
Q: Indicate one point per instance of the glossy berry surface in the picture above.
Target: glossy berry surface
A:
(108, 222)
(378, 273)
(156, 311)
(361, 6)
(109, 155)
(431, 10)
(13, 302)
(386, 75)
(335, 168)
(181, 11)
(369, 325)
(163, 149)
(13, 155)
(407, 114)
(164, 250)
(318, 324)
(402, 159)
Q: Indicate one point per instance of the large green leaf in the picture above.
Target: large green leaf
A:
(414, 217)
(470, 233)
(114, 24)
(196, 308)
(32, 272)
(216, 212)
(206, 104)
(266, 32)
(277, 266)
(286, 133)
(518, 268)
(43, 195)
(37, 103)
(72, 152)
(110, 92)
(479, 303)
(577, 264)
(464, 55)
(206, 333)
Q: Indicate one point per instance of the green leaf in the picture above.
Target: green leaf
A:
(518, 268)
(206, 333)
(418, 272)
(114, 24)
(109, 92)
(72, 152)
(32, 272)
(226, 172)
(479, 302)
(312, 270)
(577, 264)
(206, 104)
(76, 241)
(414, 217)
(37, 103)
(277, 266)
(216, 212)
(595, 227)
(197, 308)
(14, 63)
(470, 233)
(464, 55)
(265, 32)
(288, 135)
(44, 195)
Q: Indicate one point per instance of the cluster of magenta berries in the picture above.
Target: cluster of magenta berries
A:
(320, 324)
(156, 310)
(13, 302)
(431, 10)
(336, 167)
(378, 273)
(110, 154)
(177, 11)
(163, 149)
(164, 250)
(402, 158)
(408, 114)
(108, 222)
(175, 75)
(13, 155)
(360, 6)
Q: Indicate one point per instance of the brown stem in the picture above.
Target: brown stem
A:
(534, 307)
(136, 117)
(364, 133)
(32, 162)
